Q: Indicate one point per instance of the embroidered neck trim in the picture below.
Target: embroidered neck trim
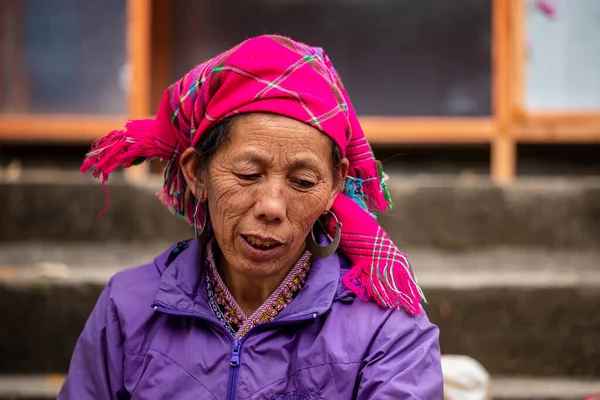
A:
(228, 311)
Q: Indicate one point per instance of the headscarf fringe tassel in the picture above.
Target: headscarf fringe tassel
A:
(122, 148)
(391, 286)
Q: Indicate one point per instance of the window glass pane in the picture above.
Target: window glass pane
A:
(563, 56)
(63, 56)
(396, 57)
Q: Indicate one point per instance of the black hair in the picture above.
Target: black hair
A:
(212, 141)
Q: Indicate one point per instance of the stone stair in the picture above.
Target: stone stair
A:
(46, 387)
(512, 274)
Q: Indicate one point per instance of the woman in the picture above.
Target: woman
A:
(291, 290)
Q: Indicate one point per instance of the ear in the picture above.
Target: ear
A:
(195, 180)
(341, 172)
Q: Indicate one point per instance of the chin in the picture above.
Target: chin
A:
(253, 270)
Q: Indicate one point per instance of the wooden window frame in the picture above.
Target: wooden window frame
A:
(148, 54)
(546, 127)
(428, 130)
(148, 63)
(84, 128)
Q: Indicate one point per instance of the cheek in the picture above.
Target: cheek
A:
(307, 208)
(227, 202)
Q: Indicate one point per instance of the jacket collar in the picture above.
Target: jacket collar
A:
(182, 287)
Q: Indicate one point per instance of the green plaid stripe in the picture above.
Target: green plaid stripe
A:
(291, 69)
(265, 82)
(204, 76)
(331, 113)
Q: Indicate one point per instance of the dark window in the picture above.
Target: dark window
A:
(396, 57)
(63, 56)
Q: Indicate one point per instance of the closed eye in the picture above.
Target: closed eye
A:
(248, 177)
(303, 183)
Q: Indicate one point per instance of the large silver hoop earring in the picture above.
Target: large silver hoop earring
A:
(324, 251)
(199, 234)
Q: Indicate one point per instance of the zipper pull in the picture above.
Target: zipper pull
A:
(235, 354)
(181, 246)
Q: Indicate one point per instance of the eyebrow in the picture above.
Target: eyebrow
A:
(305, 163)
(254, 157)
(300, 162)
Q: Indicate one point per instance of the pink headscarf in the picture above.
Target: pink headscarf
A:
(277, 75)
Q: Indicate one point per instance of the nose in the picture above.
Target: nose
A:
(270, 205)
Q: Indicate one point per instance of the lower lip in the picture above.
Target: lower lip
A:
(261, 254)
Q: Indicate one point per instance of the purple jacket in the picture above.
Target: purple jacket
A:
(152, 335)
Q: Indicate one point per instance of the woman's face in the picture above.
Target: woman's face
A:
(265, 188)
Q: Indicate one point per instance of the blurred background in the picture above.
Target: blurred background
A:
(486, 114)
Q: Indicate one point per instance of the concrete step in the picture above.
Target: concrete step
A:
(543, 388)
(517, 311)
(457, 213)
(46, 387)
(30, 387)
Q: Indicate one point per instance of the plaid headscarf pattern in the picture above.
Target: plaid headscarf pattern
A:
(277, 75)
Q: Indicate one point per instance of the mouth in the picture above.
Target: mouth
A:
(261, 243)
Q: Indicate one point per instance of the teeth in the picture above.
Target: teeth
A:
(259, 243)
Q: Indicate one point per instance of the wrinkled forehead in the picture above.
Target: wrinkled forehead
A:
(273, 132)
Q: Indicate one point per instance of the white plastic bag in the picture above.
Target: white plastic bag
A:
(465, 379)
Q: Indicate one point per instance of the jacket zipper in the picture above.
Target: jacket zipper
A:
(235, 370)
(235, 350)
(236, 347)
